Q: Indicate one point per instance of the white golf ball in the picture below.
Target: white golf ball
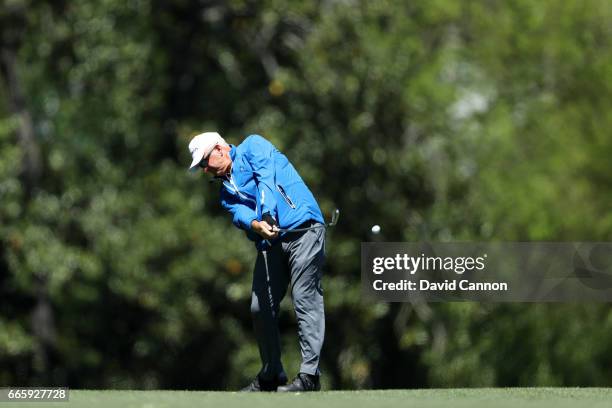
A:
(375, 229)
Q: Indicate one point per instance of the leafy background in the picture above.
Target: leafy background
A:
(441, 120)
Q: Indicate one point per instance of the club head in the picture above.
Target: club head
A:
(335, 217)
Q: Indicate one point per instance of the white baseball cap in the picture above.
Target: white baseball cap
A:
(201, 146)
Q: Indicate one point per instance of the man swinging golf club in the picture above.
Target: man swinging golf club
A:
(265, 194)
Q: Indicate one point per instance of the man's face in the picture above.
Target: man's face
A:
(218, 162)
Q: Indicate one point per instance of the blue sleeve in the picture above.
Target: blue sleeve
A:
(242, 214)
(259, 153)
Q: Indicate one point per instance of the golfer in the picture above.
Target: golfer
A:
(263, 192)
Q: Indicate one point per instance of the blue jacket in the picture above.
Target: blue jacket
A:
(263, 180)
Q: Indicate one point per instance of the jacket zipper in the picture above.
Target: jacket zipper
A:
(281, 190)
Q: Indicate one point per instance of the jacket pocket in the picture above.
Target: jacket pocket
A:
(282, 192)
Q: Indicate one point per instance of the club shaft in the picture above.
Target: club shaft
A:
(302, 229)
(329, 224)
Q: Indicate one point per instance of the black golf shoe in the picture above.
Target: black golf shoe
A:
(259, 384)
(303, 382)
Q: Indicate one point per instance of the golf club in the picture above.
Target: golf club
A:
(334, 221)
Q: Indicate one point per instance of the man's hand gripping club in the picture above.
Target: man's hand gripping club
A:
(267, 227)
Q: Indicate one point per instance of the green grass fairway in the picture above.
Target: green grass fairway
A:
(474, 397)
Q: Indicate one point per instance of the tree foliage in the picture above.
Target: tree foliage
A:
(437, 120)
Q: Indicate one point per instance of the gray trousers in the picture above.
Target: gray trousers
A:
(296, 260)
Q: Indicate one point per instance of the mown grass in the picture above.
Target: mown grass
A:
(473, 398)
